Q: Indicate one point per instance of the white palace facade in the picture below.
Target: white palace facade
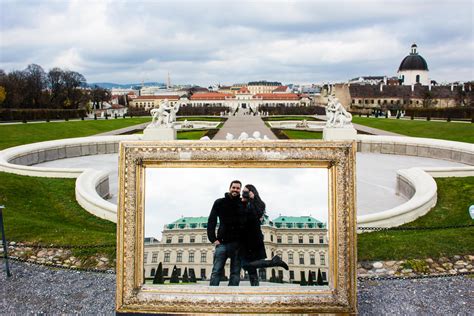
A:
(243, 98)
(302, 242)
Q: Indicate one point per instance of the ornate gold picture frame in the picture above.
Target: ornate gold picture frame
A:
(338, 158)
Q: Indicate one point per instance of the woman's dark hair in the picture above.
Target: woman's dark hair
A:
(259, 204)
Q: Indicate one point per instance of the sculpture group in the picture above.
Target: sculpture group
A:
(336, 114)
(164, 115)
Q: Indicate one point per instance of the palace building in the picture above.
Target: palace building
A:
(302, 242)
(242, 98)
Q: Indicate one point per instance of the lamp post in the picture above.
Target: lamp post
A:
(5, 254)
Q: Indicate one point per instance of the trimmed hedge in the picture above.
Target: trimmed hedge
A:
(186, 111)
(40, 114)
(445, 113)
(292, 110)
(466, 113)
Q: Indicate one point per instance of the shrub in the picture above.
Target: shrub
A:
(185, 276)
(310, 278)
(158, 279)
(416, 265)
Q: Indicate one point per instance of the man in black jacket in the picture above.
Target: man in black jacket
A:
(229, 210)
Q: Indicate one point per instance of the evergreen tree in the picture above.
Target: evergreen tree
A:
(319, 280)
(303, 279)
(310, 278)
(174, 275)
(185, 276)
(273, 277)
(158, 279)
(192, 276)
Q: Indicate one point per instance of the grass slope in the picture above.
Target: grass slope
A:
(44, 210)
(20, 134)
(461, 132)
(455, 195)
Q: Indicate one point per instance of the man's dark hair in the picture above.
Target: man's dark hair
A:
(235, 181)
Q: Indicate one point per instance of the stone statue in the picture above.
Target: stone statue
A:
(336, 115)
(164, 115)
(302, 124)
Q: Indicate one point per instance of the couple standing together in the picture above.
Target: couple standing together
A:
(239, 236)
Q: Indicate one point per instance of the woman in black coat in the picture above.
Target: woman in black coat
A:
(252, 248)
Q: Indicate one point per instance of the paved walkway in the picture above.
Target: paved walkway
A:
(373, 131)
(125, 130)
(365, 129)
(249, 124)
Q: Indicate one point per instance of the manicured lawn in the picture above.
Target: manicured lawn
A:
(202, 118)
(462, 132)
(191, 134)
(292, 134)
(455, 195)
(289, 118)
(20, 134)
(44, 210)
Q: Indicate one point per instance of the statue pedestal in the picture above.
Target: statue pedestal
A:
(159, 133)
(342, 133)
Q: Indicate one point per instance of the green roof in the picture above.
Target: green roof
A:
(281, 221)
(297, 221)
(191, 220)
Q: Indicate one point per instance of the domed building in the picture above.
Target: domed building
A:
(413, 69)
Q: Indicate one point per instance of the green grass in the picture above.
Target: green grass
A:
(202, 118)
(191, 135)
(20, 134)
(455, 195)
(293, 134)
(462, 132)
(289, 118)
(44, 210)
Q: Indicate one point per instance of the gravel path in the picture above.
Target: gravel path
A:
(37, 289)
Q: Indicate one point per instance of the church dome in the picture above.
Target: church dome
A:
(413, 61)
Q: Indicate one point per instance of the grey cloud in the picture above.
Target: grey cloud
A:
(212, 41)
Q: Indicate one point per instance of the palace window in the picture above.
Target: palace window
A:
(192, 239)
(290, 258)
(179, 257)
(300, 239)
(165, 272)
(152, 273)
(292, 275)
(167, 257)
(203, 257)
(271, 237)
(180, 239)
(321, 239)
(168, 240)
(154, 257)
(311, 239)
(204, 238)
(145, 257)
(312, 259)
(191, 257)
(323, 259)
(279, 239)
(290, 239)
(301, 258)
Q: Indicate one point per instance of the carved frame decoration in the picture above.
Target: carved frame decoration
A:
(338, 157)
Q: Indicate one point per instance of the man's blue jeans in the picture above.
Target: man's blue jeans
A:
(222, 252)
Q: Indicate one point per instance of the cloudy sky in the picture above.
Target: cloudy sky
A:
(171, 193)
(207, 42)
